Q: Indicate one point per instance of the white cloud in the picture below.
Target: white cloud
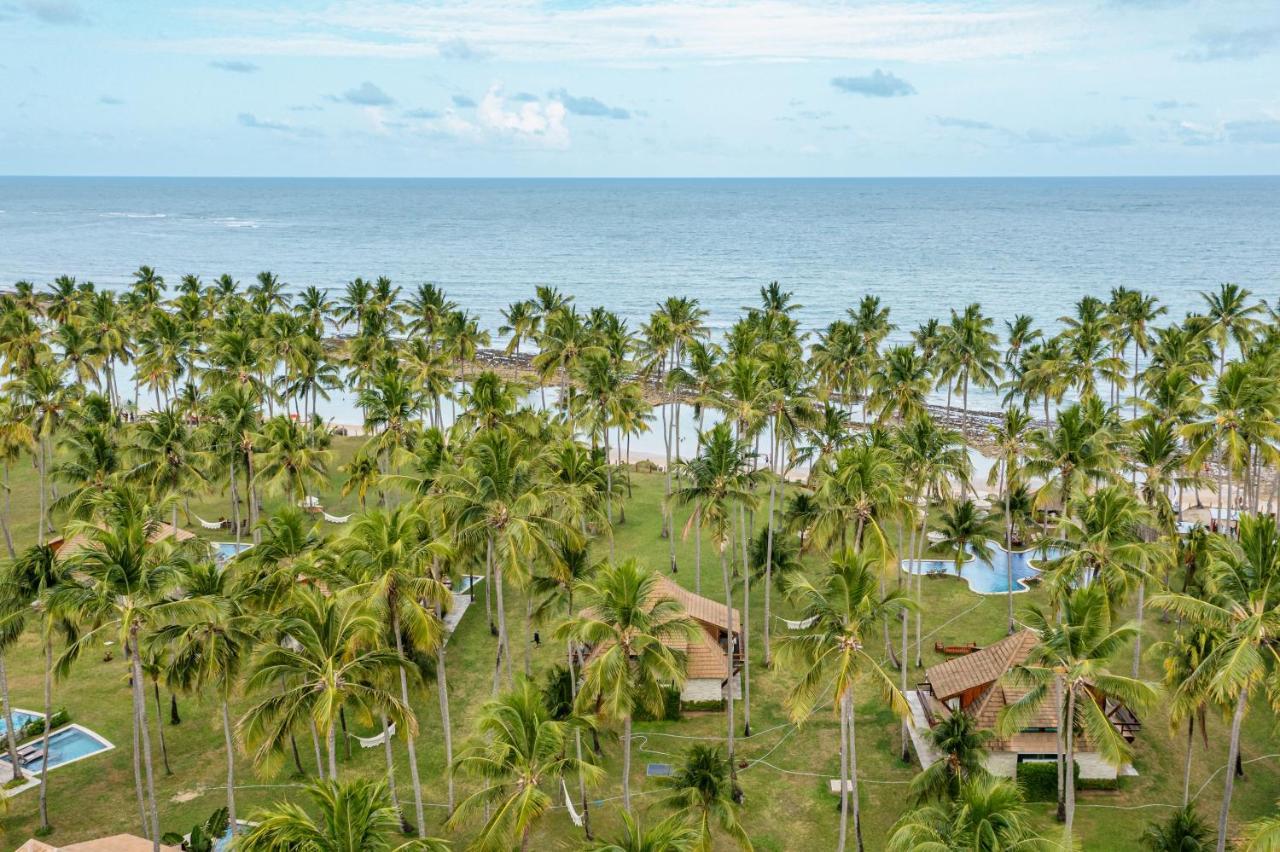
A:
(541, 122)
(527, 30)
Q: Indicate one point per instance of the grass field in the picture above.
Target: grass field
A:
(787, 803)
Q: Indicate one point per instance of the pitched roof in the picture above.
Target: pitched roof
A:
(65, 547)
(953, 677)
(702, 609)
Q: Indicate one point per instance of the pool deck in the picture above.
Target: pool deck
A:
(461, 601)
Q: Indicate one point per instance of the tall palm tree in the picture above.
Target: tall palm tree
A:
(332, 659)
(30, 583)
(167, 457)
(42, 390)
(719, 480)
(16, 437)
(845, 605)
(387, 554)
(1012, 439)
(702, 789)
(1232, 318)
(353, 816)
(1241, 601)
(210, 652)
(289, 459)
(520, 750)
(1180, 656)
(987, 814)
(629, 625)
(1070, 663)
(127, 592)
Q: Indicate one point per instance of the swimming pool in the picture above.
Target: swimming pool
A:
(20, 719)
(225, 551)
(468, 580)
(66, 745)
(988, 578)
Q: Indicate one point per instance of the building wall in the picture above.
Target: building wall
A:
(708, 689)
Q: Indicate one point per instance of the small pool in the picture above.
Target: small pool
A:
(20, 719)
(468, 581)
(988, 578)
(225, 551)
(66, 745)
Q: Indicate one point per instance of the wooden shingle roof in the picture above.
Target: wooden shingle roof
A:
(699, 608)
(980, 668)
(65, 547)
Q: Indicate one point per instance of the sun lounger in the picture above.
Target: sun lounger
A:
(956, 650)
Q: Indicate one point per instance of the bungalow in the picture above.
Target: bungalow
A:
(709, 666)
(973, 684)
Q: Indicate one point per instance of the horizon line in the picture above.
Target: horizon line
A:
(636, 177)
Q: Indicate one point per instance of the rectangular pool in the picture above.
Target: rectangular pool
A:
(225, 551)
(66, 745)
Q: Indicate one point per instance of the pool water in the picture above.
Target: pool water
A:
(20, 719)
(468, 580)
(988, 578)
(65, 746)
(225, 551)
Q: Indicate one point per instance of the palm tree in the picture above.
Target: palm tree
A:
(845, 606)
(1180, 656)
(629, 625)
(1183, 831)
(16, 436)
(1076, 452)
(354, 816)
(30, 582)
(702, 789)
(716, 482)
(210, 652)
(128, 590)
(963, 749)
(1263, 835)
(289, 459)
(167, 457)
(1011, 436)
(1241, 601)
(519, 750)
(44, 393)
(965, 528)
(1231, 319)
(520, 321)
(987, 814)
(1069, 664)
(386, 552)
(669, 835)
(331, 659)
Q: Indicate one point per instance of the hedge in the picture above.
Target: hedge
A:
(1039, 780)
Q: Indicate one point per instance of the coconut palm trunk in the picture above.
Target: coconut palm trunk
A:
(231, 767)
(746, 626)
(140, 711)
(409, 738)
(844, 773)
(853, 770)
(1069, 768)
(1233, 754)
(768, 548)
(391, 768)
(1186, 762)
(1137, 636)
(44, 740)
(728, 607)
(11, 741)
(626, 763)
(164, 747)
(4, 519)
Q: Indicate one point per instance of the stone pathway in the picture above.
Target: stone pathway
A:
(461, 600)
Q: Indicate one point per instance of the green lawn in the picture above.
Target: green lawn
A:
(787, 803)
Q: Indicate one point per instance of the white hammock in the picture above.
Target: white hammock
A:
(209, 525)
(335, 519)
(378, 738)
(568, 803)
(799, 625)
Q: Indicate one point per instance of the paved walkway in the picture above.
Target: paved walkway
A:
(461, 600)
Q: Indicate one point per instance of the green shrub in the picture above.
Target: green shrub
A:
(671, 708)
(35, 727)
(1040, 780)
(698, 706)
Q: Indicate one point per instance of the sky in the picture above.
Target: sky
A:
(464, 88)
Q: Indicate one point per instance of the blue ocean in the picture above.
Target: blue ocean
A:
(923, 245)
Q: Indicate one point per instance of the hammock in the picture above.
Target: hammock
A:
(378, 738)
(209, 525)
(335, 519)
(799, 625)
(568, 803)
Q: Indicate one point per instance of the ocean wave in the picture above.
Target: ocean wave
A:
(233, 222)
(118, 215)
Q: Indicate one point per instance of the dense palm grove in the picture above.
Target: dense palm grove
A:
(818, 464)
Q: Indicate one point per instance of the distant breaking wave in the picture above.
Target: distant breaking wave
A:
(117, 215)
